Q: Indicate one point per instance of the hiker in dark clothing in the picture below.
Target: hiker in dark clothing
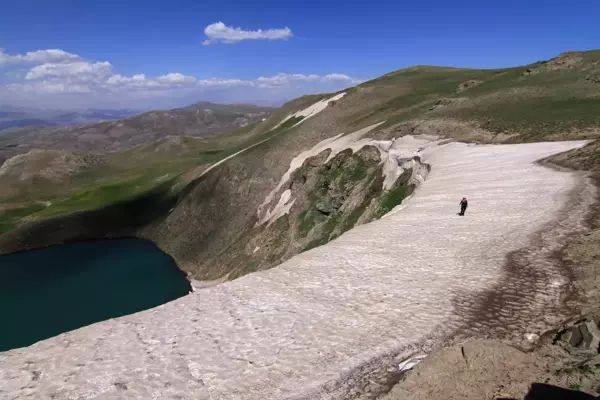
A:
(463, 206)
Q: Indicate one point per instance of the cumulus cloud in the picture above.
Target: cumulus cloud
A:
(80, 70)
(49, 87)
(116, 80)
(216, 82)
(90, 81)
(338, 77)
(282, 79)
(141, 82)
(176, 78)
(37, 57)
(221, 33)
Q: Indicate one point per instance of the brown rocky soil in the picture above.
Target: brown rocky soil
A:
(468, 84)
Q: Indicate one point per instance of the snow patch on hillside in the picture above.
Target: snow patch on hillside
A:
(312, 110)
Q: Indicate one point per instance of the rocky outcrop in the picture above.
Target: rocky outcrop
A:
(329, 198)
(471, 83)
(440, 103)
(565, 61)
(584, 335)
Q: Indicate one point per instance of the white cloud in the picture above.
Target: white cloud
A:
(48, 87)
(141, 82)
(337, 77)
(37, 57)
(74, 80)
(216, 82)
(282, 79)
(125, 80)
(221, 33)
(97, 77)
(79, 70)
(176, 78)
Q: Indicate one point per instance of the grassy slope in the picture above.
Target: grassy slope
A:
(546, 100)
(532, 105)
(132, 173)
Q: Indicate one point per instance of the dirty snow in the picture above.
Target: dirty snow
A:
(312, 110)
(329, 320)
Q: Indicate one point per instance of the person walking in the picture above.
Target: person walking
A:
(463, 206)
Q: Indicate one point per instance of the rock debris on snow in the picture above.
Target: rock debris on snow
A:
(328, 321)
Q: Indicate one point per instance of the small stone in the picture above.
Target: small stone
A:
(572, 336)
(369, 153)
(325, 205)
(591, 335)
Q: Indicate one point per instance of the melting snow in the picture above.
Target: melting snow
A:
(307, 329)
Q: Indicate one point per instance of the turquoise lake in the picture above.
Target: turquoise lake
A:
(50, 291)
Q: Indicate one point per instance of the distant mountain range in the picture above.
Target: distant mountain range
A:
(121, 133)
(19, 117)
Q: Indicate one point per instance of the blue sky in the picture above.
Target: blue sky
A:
(343, 40)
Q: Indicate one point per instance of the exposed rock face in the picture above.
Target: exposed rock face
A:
(441, 103)
(338, 184)
(326, 199)
(324, 324)
(564, 61)
(593, 77)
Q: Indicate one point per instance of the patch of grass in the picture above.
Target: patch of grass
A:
(104, 195)
(358, 169)
(575, 386)
(532, 101)
(306, 222)
(533, 118)
(391, 199)
(290, 122)
(9, 219)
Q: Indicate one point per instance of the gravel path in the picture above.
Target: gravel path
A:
(331, 322)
